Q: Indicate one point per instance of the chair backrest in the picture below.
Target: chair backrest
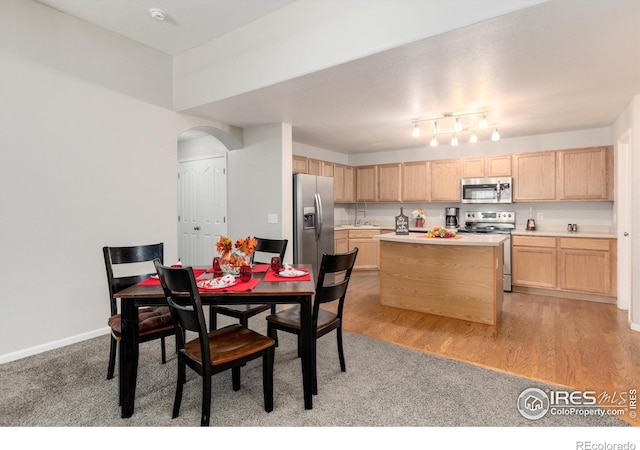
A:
(276, 247)
(186, 308)
(129, 258)
(336, 267)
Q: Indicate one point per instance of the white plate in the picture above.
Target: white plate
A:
(217, 283)
(292, 273)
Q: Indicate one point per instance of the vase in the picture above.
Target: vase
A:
(230, 262)
(419, 223)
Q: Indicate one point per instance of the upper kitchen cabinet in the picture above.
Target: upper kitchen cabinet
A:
(367, 183)
(390, 182)
(343, 184)
(585, 174)
(326, 168)
(445, 180)
(314, 167)
(299, 164)
(486, 166)
(534, 176)
(415, 181)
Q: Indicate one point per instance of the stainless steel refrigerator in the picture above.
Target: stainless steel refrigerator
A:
(312, 219)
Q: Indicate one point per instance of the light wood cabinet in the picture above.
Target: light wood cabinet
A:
(367, 183)
(445, 180)
(344, 188)
(341, 241)
(583, 268)
(587, 265)
(299, 164)
(534, 261)
(534, 176)
(390, 182)
(314, 167)
(585, 174)
(415, 181)
(368, 248)
(498, 166)
(486, 166)
(326, 168)
(473, 168)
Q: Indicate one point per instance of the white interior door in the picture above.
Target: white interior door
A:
(202, 209)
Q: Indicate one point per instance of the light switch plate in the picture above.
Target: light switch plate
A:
(272, 218)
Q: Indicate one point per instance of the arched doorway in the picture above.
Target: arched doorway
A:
(202, 195)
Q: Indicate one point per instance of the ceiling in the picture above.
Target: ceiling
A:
(558, 66)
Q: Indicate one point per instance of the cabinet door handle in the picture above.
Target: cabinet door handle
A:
(625, 234)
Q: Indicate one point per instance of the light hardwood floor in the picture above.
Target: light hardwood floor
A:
(570, 343)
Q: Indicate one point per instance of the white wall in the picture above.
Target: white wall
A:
(84, 165)
(260, 183)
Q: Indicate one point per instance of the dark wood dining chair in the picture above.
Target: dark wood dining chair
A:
(331, 287)
(153, 322)
(212, 352)
(266, 247)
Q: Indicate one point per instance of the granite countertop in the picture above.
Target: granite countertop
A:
(489, 240)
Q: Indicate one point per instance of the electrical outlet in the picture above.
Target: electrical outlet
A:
(540, 216)
(441, 215)
(272, 218)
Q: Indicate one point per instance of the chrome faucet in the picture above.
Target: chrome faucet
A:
(356, 222)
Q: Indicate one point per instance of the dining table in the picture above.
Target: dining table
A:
(269, 289)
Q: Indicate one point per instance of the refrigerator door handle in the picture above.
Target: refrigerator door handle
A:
(318, 201)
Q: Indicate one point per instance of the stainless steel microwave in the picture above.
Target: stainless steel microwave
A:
(487, 190)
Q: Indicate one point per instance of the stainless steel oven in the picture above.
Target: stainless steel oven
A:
(499, 222)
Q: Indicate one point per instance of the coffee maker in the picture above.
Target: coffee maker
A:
(451, 217)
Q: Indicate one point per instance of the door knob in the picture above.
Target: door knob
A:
(196, 228)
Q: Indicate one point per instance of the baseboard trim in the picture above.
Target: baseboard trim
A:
(565, 294)
(53, 345)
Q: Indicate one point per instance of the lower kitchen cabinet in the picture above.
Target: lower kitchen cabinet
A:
(534, 261)
(583, 268)
(368, 248)
(587, 265)
(341, 241)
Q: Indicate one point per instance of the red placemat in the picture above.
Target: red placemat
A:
(156, 282)
(272, 276)
(260, 268)
(240, 286)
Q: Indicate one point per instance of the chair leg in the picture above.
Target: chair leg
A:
(163, 350)
(343, 366)
(179, 386)
(235, 378)
(206, 400)
(272, 332)
(112, 358)
(244, 321)
(267, 379)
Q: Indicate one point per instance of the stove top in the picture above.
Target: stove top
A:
(489, 222)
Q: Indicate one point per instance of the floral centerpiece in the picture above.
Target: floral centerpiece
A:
(419, 215)
(235, 255)
(441, 232)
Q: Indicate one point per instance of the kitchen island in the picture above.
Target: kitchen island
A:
(458, 277)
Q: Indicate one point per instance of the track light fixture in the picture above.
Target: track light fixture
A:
(454, 124)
